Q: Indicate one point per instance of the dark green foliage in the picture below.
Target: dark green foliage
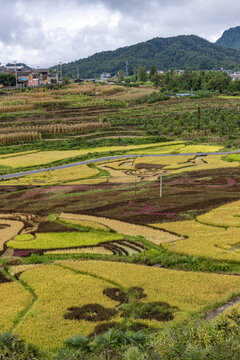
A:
(90, 312)
(79, 342)
(217, 81)
(178, 52)
(4, 279)
(7, 79)
(12, 348)
(159, 311)
(116, 294)
(205, 340)
(104, 327)
(142, 73)
(123, 297)
(230, 38)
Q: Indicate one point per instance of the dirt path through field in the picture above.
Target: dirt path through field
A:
(157, 236)
(215, 313)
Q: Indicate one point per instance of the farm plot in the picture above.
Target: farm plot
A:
(14, 300)
(58, 291)
(45, 157)
(62, 176)
(214, 234)
(12, 225)
(179, 164)
(44, 241)
(153, 235)
(176, 288)
(84, 297)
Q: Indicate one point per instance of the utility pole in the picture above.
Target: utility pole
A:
(78, 76)
(160, 183)
(135, 187)
(16, 74)
(60, 71)
(126, 68)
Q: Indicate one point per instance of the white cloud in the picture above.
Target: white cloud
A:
(45, 32)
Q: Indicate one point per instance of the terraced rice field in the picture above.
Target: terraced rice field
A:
(154, 235)
(79, 245)
(214, 234)
(63, 288)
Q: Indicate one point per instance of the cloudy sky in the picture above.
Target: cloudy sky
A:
(45, 32)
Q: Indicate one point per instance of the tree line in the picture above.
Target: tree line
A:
(173, 81)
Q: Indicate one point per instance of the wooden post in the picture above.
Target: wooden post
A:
(160, 183)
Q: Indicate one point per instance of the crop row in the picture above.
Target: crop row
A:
(20, 137)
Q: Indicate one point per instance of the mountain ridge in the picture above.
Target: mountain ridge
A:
(179, 52)
(230, 38)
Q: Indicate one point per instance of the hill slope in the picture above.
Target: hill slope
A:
(185, 51)
(230, 38)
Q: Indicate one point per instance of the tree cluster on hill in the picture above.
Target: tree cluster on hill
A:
(173, 82)
(230, 38)
(180, 52)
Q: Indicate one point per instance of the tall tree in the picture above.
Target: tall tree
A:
(120, 75)
(153, 72)
(142, 73)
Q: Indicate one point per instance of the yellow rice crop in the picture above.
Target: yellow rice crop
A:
(58, 289)
(90, 250)
(18, 154)
(154, 235)
(178, 164)
(14, 299)
(55, 176)
(62, 240)
(189, 291)
(200, 148)
(90, 224)
(44, 157)
(225, 215)
(203, 240)
(21, 268)
(161, 150)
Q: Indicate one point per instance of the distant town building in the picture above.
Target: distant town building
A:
(235, 75)
(105, 76)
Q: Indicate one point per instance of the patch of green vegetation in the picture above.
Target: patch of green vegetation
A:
(63, 240)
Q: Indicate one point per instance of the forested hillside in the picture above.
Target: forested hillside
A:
(230, 38)
(185, 51)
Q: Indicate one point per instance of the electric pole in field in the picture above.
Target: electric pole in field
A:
(135, 187)
(160, 183)
(16, 74)
(78, 76)
(60, 70)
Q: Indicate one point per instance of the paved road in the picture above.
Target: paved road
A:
(66, 166)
